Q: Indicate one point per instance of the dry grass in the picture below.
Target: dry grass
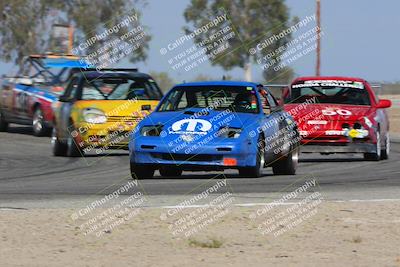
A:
(211, 243)
(356, 239)
(394, 113)
(394, 118)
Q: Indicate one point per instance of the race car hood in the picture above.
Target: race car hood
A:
(118, 107)
(330, 112)
(194, 121)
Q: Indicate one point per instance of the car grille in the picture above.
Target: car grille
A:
(124, 119)
(187, 157)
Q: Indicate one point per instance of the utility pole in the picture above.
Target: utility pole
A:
(318, 67)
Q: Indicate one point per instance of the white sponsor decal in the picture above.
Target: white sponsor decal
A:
(187, 137)
(334, 132)
(316, 122)
(331, 112)
(191, 126)
(335, 83)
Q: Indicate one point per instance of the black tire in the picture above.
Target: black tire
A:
(170, 172)
(141, 172)
(386, 150)
(59, 148)
(38, 124)
(73, 149)
(3, 123)
(376, 156)
(287, 165)
(255, 171)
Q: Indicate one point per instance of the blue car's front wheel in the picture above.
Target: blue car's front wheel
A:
(255, 171)
(140, 172)
(287, 164)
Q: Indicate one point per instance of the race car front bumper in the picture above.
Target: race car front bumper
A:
(340, 148)
(105, 135)
(321, 142)
(213, 156)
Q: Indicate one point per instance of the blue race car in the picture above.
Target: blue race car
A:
(215, 126)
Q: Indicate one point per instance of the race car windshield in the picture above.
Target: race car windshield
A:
(350, 95)
(120, 89)
(234, 98)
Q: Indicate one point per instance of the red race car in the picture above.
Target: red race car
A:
(339, 115)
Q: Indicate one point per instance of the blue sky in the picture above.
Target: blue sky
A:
(360, 39)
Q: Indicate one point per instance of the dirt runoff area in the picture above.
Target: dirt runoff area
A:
(394, 118)
(329, 234)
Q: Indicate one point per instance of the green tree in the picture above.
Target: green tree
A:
(163, 80)
(252, 20)
(25, 24)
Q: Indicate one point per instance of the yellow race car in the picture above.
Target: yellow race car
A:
(100, 109)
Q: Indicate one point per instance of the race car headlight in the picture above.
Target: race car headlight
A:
(228, 132)
(153, 130)
(368, 122)
(93, 115)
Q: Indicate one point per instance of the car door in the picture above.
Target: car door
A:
(271, 126)
(286, 125)
(22, 101)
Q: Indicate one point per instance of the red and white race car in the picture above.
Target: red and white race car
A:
(339, 115)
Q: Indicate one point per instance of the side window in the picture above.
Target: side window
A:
(183, 103)
(271, 101)
(172, 101)
(70, 93)
(268, 102)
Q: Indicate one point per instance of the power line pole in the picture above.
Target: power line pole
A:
(318, 67)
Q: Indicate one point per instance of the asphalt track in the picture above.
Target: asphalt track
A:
(29, 172)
